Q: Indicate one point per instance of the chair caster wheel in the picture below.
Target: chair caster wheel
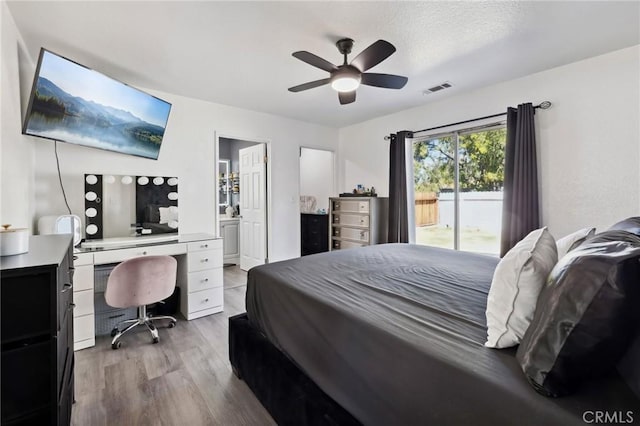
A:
(156, 340)
(172, 324)
(116, 345)
(114, 332)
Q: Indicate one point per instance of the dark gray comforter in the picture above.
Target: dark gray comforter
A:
(394, 333)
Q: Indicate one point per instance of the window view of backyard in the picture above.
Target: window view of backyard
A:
(479, 189)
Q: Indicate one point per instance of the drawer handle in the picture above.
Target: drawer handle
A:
(75, 257)
(206, 300)
(204, 246)
(144, 253)
(206, 280)
(66, 287)
(206, 259)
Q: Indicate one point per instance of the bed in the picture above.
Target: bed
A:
(390, 334)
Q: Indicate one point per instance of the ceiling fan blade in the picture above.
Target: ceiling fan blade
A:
(309, 85)
(347, 97)
(314, 60)
(373, 55)
(387, 81)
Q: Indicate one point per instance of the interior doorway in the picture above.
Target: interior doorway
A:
(317, 184)
(242, 200)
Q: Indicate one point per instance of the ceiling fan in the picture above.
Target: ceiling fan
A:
(346, 78)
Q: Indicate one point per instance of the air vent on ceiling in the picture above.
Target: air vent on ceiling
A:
(439, 87)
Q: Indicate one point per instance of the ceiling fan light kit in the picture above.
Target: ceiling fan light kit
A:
(346, 78)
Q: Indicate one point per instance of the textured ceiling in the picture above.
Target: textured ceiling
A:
(239, 53)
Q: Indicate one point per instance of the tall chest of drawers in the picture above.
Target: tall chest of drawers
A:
(358, 221)
(37, 333)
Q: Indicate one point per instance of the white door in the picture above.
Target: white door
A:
(253, 206)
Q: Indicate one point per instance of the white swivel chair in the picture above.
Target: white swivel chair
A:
(139, 282)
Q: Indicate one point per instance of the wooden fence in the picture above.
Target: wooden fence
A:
(426, 208)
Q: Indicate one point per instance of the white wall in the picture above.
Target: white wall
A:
(588, 142)
(16, 151)
(188, 152)
(317, 175)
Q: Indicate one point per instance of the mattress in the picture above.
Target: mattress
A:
(395, 334)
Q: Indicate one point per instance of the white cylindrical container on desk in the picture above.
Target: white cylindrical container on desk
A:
(13, 241)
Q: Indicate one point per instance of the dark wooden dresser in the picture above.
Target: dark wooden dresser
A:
(37, 333)
(314, 229)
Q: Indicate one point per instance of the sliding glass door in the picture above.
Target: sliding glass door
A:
(458, 180)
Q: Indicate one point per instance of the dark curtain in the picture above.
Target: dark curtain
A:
(398, 214)
(520, 212)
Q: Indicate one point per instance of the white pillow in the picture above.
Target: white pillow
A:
(517, 282)
(168, 214)
(565, 244)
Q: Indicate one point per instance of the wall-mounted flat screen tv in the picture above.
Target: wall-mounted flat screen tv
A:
(72, 103)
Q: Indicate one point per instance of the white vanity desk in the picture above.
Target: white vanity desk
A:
(200, 275)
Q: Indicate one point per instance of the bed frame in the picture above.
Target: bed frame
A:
(289, 395)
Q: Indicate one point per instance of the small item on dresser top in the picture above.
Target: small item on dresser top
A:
(13, 240)
(229, 211)
(63, 224)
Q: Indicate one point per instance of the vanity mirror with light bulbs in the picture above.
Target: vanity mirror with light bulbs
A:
(119, 206)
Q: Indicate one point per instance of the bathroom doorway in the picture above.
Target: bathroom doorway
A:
(243, 189)
(317, 185)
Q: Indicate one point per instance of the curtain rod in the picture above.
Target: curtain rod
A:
(542, 105)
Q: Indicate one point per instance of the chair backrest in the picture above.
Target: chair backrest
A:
(141, 281)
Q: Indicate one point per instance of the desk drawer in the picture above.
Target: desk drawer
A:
(205, 299)
(84, 302)
(82, 259)
(204, 245)
(203, 280)
(120, 255)
(83, 327)
(206, 259)
(83, 278)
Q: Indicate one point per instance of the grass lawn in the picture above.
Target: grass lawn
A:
(471, 239)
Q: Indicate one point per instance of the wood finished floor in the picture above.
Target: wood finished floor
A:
(185, 379)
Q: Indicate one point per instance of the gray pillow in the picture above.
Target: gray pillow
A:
(586, 314)
(631, 224)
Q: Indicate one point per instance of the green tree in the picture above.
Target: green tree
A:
(481, 159)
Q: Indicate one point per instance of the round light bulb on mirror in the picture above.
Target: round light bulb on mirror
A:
(172, 196)
(91, 212)
(91, 179)
(158, 181)
(143, 180)
(126, 180)
(90, 196)
(92, 229)
(172, 181)
(109, 179)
